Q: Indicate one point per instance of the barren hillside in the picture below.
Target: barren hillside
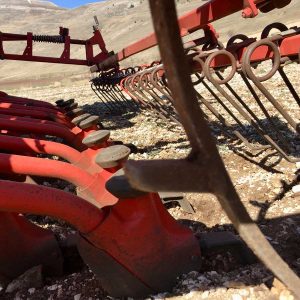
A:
(122, 22)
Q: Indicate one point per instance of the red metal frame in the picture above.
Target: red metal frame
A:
(28, 102)
(91, 187)
(288, 47)
(65, 57)
(192, 21)
(41, 200)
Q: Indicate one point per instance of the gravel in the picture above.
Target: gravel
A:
(263, 182)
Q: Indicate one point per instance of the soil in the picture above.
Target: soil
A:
(264, 183)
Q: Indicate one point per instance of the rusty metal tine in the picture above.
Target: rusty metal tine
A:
(147, 89)
(243, 113)
(204, 157)
(154, 105)
(98, 94)
(289, 85)
(241, 101)
(131, 103)
(144, 100)
(132, 92)
(119, 96)
(247, 69)
(109, 101)
(110, 95)
(225, 123)
(222, 104)
(264, 110)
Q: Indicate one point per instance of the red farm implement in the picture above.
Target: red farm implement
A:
(125, 233)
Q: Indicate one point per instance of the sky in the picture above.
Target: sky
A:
(72, 3)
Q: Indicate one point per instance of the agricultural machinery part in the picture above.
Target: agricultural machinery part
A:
(125, 234)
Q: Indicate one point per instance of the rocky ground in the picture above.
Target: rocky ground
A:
(263, 181)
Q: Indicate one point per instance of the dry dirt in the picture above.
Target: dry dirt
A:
(264, 183)
(122, 22)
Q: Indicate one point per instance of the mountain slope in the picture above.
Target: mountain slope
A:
(122, 22)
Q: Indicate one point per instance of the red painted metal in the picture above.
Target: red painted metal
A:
(63, 38)
(41, 200)
(122, 231)
(73, 137)
(192, 21)
(36, 114)
(144, 239)
(289, 47)
(21, 110)
(18, 145)
(27, 102)
(26, 146)
(91, 187)
(24, 245)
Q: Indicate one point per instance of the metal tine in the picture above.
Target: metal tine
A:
(118, 92)
(234, 47)
(289, 84)
(217, 83)
(99, 95)
(141, 91)
(204, 162)
(111, 102)
(223, 119)
(145, 84)
(131, 91)
(247, 69)
(161, 87)
(225, 123)
(141, 98)
(253, 115)
(283, 31)
(111, 97)
(108, 87)
(115, 91)
(99, 86)
(278, 133)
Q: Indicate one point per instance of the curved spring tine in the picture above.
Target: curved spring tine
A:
(247, 69)
(289, 85)
(240, 109)
(253, 115)
(204, 159)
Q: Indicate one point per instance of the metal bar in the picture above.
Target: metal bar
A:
(26, 101)
(25, 145)
(204, 151)
(62, 38)
(192, 21)
(41, 200)
(43, 129)
(91, 187)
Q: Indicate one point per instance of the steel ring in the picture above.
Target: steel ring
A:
(246, 60)
(208, 61)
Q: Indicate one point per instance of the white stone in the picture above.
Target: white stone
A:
(52, 287)
(77, 297)
(236, 297)
(296, 189)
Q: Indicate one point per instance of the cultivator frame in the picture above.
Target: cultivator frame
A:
(125, 234)
(62, 38)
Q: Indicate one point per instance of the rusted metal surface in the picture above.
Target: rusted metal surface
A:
(204, 158)
(103, 208)
(192, 21)
(127, 236)
(146, 85)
